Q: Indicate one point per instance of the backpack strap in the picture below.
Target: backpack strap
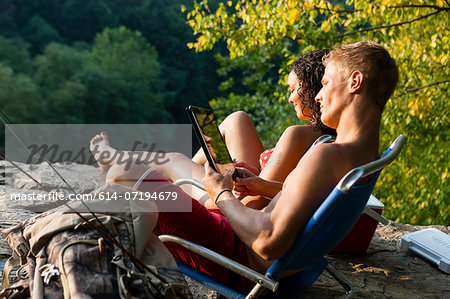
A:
(20, 249)
(10, 264)
(19, 290)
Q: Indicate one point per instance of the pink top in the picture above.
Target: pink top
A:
(264, 157)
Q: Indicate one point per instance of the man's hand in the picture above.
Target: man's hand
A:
(215, 182)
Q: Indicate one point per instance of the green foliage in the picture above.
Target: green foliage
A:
(16, 92)
(117, 81)
(181, 76)
(21, 87)
(56, 65)
(125, 52)
(39, 33)
(14, 53)
(129, 69)
(264, 37)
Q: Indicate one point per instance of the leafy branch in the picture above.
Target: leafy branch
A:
(419, 6)
(393, 25)
(388, 7)
(420, 87)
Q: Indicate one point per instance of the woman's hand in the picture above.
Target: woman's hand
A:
(247, 183)
(208, 141)
(242, 164)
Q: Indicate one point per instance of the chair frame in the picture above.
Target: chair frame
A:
(263, 282)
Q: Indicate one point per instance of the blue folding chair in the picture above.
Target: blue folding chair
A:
(325, 229)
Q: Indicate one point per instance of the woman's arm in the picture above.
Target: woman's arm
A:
(248, 184)
(290, 148)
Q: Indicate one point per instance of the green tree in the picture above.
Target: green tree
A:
(184, 78)
(57, 64)
(56, 73)
(39, 33)
(14, 53)
(265, 35)
(187, 78)
(114, 81)
(122, 76)
(19, 95)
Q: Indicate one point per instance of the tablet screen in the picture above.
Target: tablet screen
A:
(205, 123)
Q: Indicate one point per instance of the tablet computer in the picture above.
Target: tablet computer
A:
(205, 124)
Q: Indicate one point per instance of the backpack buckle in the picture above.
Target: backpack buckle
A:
(48, 271)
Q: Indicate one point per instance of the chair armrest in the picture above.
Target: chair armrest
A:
(194, 182)
(223, 261)
(324, 139)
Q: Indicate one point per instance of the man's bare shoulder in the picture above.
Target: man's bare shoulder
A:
(306, 187)
(322, 155)
(331, 161)
(320, 168)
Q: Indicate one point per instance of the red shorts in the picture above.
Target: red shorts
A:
(208, 228)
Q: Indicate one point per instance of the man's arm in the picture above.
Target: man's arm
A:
(271, 232)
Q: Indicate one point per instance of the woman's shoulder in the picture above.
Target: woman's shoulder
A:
(302, 129)
(301, 132)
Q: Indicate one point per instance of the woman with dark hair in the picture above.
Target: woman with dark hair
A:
(304, 82)
(308, 71)
(243, 142)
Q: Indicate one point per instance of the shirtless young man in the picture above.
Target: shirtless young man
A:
(359, 78)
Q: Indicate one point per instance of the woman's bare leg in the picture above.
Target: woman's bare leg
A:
(241, 139)
(237, 130)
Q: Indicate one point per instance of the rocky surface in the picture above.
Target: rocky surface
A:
(385, 271)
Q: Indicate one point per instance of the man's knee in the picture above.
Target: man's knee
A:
(126, 172)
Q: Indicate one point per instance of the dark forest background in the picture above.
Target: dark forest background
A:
(91, 61)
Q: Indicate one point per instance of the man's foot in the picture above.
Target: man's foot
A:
(102, 151)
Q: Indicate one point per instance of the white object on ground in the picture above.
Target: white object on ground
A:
(432, 244)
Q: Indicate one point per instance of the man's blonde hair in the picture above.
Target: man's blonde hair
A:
(373, 61)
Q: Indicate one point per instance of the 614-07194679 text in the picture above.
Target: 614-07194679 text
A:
(134, 195)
